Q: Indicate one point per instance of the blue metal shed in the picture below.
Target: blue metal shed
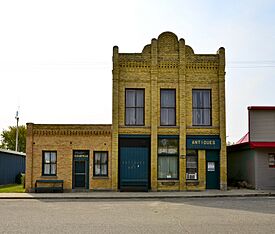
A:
(11, 164)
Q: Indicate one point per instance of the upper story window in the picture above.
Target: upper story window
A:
(134, 107)
(49, 163)
(168, 107)
(201, 102)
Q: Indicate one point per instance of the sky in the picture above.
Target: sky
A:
(56, 56)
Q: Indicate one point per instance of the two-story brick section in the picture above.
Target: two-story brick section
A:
(167, 132)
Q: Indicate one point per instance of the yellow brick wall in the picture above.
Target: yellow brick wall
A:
(64, 139)
(168, 63)
(165, 63)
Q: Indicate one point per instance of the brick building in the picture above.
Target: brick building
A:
(168, 130)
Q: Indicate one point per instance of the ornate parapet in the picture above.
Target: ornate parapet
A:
(168, 59)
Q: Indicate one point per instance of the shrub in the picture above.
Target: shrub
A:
(20, 178)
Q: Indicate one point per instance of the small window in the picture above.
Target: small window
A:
(134, 107)
(168, 107)
(101, 164)
(191, 165)
(201, 103)
(168, 158)
(49, 163)
(271, 160)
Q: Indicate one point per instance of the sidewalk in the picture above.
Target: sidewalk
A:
(140, 195)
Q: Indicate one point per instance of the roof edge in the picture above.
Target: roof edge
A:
(261, 107)
(12, 152)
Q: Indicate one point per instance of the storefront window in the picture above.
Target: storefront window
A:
(168, 158)
(192, 165)
(271, 160)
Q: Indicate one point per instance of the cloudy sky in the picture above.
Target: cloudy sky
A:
(56, 56)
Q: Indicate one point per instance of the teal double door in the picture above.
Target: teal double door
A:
(134, 155)
(212, 169)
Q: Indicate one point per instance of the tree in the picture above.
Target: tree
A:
(8, 140)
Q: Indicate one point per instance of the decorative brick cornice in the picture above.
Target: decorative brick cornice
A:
(134, 64)
(168, 65)
(202, 66)
(71, 130)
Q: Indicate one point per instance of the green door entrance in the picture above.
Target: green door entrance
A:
(134, 165)
(212, 169)
(81, 170)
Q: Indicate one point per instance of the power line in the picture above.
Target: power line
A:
(252, 67)
(247, 64)
(251, 61)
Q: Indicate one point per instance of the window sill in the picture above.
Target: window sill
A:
(48, 176)
(100, 178)
(192, 182)
(171, 182)
(168, 180)
(168, 126)
(202, 127)
(133, 126)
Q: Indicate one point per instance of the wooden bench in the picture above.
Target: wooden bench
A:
(49, 188)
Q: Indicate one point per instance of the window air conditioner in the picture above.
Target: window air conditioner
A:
(192, 176)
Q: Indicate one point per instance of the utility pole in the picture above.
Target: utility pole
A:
(16, 140)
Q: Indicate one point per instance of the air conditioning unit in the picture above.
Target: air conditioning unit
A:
(191, 176)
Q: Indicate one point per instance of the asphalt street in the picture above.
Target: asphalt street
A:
(197, 215)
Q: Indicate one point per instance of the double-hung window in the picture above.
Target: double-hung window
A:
(201, 102)
(191, 165)
(168, 107)
(168, 158)
(101, 163)
(134, 107)
(49, 163)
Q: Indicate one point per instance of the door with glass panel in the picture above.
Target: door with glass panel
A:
(81, 169)
(212, 169)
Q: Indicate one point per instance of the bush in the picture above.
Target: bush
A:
(20, 179)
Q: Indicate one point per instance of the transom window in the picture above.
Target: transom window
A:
(134, 105)
(201, 102)
(168, 107)
(49, 163)
(168, 158)
(191, 165)
(101, 164)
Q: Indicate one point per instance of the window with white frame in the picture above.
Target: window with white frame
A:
(134, 107)
(101, 163)
(49, 160)
(168, 107)
(168, 158)
(201, 107)
(191, 165)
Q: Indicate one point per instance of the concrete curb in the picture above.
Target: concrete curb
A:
(45, 197)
